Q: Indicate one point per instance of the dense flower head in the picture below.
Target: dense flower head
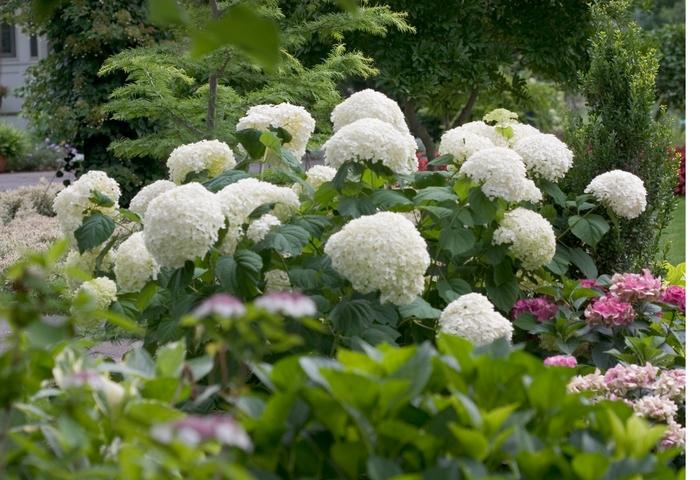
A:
(382, 252)
(182, 224)
(462, 144)
(522, 130)
(541, 308)
(674, 295)
(622, 378)
(368, 103)
(196, 429)
(530, 235)
(671, 384)
(293, 118)
(593, 382)
(633, 287)
(561, 361)
(375, 141)
(473, 317)
(655, 407)
(484, 130)
(101, 290)
(545, 156)
(211, 156)
(621, 191)
(140, 202)
(134, 266)
(260, 227)
(240, 199)
(320, 174)
(221, 304)
(502, 174)
(674, 437)
(277, 281)
(72, 202)
(291, 304)
(609, 311)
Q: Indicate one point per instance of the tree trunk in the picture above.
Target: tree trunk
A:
(466, 112)
(419, 129)
(213, 82)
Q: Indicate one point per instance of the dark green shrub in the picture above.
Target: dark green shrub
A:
(13, 142)
(671, 79)
(620, 132)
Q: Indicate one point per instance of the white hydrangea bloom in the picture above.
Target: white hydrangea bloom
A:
(375, 141)
(240, 199)
(293, 118)
(368, 103)
(258, 229)
(382, 252)
(621, 191)
(522, 130)
(140, 202)
(134, 266)
(277, 281)
(530, 235)
(502, 174)
(320, 174)
(462, 143)
(211, 155)
(182, 224)
(484, 130)
(545, 155)
(71, 203)
(473, 317)
(101, 290)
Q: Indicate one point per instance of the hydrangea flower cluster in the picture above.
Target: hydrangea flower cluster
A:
(545, 156)
(501, 173)
(382, 252)
(462, 144)
(221, 304)
(621, 191)
(196, 429)
(541, 308)
(291, 304)
(368, 103)
(674, 295)
(72, 202)
(211, 156)
(277, 281)
(530, 235)
(609, 311)
(567, 361)
(86, 262)
(651, 392)
(633, 287)
(101, 290)
(487, 131)
(134, 266)
(139, 204)
(260, 227)
(473, 317)
(375, 141)
(320, 174)
(182, 224)
(293, 118)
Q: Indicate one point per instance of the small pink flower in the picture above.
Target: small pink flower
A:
(195, 429)
(633, 286)
(675, 436)
(609, 311)
(588, 283)
(541, 308)
(671, 383)
(622, 378)
(292, 304)
(561, 361)
(221, 304)
(674, 295)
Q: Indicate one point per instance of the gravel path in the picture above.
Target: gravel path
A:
(10, 181)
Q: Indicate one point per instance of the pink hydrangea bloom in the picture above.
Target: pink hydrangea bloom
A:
(609, 311)
(675, 436)
(622, 378)
(195, 429)
(633, 286)
(221, 304)
(293, 304)
(541, 308)
(674, 295)
(561, 361)
(593, 382)
(657, 408)
(671, 384)
(589, 283)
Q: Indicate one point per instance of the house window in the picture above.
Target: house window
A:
(33, 46)
(7, 40)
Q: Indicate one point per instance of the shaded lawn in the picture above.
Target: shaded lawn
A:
(673, 237)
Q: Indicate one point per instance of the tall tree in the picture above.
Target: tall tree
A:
(463, 48)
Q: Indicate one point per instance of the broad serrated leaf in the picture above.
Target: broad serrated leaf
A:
(437, 194)
(386, 199)
(250, 139)
(224, 179)
(483, 209)
(95, 230)
(419, 308)
(286, 239)
(457, 240)
(589, 229)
